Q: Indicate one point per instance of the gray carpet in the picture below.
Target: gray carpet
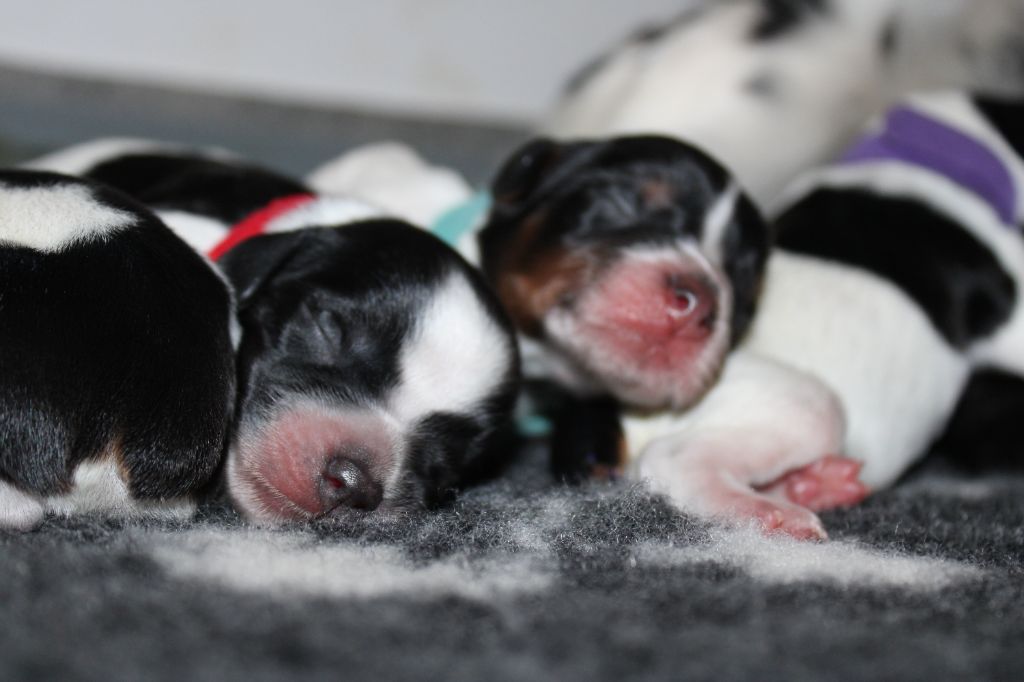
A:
(520, 579)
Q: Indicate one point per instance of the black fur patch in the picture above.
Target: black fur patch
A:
(763, 84)
(1008, 118)
(119, 344)
(987, 430)
(889, 39)
(224, 191)
(745, 245)
(957, 281)
(587, 442)
(779, 17)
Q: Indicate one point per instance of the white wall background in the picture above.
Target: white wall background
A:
(490, 59)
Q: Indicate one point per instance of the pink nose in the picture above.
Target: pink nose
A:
(689, 303)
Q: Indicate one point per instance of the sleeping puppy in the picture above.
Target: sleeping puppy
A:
(376, 371)
(117, 376)
(772, 88)
(897, 277)
(630, 266)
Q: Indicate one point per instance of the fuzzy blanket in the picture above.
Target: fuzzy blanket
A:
(525, 580)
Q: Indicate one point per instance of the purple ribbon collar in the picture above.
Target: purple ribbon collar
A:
(915, 138)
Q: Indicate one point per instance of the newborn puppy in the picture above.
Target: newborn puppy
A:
(772, 88)
(898, 276)
(117, 372)
(375, 370)
(630, 265)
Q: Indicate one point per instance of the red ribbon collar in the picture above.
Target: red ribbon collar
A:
(256, 223)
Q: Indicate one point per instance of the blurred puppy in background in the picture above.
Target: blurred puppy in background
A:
(771, 88)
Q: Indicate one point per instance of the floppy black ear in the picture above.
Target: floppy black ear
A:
(534, 165)
(256, 261)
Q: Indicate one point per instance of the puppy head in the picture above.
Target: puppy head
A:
(374, 370)
(635, 262)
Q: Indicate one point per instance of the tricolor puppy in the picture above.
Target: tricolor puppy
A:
(117, 374)
(375, 369)
(772, 88)
(630, 265)
(897, 279)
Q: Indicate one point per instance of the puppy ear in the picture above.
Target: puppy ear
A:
(533, 165)
(256, 261)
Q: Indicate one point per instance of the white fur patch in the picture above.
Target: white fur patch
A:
(455, 332)
(52, 218)
(326, 212)
(80, 158)
(286, 565)
(717, 219)
(199, 232)
(98, 487)
(394, 177)
(894, 375)
(18, 510)
(781, 560)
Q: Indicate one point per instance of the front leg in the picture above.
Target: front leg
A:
(587, 442)
(752, 450)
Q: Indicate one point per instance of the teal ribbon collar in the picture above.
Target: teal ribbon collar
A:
(459, 220)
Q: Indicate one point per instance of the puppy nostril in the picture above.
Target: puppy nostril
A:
(684, 299)
(346, 482)
(687, 300)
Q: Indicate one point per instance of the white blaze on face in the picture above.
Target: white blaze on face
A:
(52, 218)
(716, 220)
(455, 357)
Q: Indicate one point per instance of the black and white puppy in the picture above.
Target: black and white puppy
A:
(898, 275)
(772, 88)
(117, 377)
(375, 369)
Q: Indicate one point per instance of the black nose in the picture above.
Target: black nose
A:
(344, 482)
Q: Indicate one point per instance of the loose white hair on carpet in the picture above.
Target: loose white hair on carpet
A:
(288, 564)
(781, 560)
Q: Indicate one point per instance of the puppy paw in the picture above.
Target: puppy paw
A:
(710, 491)
(829, 483)
(773, 517)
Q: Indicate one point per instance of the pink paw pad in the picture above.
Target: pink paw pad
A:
(829, 483)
